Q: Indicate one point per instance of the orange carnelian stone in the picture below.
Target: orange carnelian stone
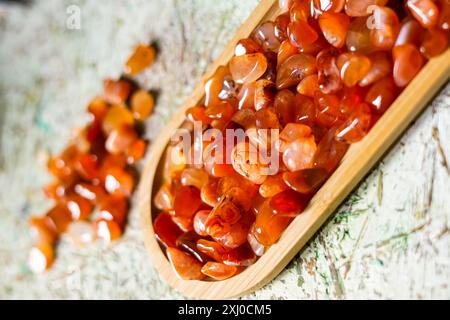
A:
(79, 207)
(301, 34)
(117, 117)
(272, 186)
(356, 126)
(281, 25)
(208, 193)
(185, 265)
(329, 5)
(43, 229)
(200, 222)
(407, 63)
(386, 29)
(188, 243)
(329, 79)
(381, 66)
(142, 104)
(187, 202)
(136, 151)
(60, 216)
(327, 109)
(218, 271)
(113, 208)
(305, 181)
(361, 8)
(98, 108)
(295, 69)
(242, 256)
(425, 11)
(266, 37)
(166, 231)
(118, 181)
(248, 68)
(329, 152)
(41, 257)
(285, 51)
(214, 85)
(141, 58)
(289, 203)
(358, 36)
(354, 67)
(246, 46)
(211, 249)
(119, 140)
(334, 27)
(435, 42)
(309, 85)
(107, 230)
(265, 91)
(382, 94)
(116, 91)
(93, 193)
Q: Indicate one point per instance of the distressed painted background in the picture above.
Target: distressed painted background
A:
(389, 240)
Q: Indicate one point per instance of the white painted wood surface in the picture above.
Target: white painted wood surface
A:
(389, 240)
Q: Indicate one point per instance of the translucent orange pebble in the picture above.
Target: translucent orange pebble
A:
(354, 67)
(117, 116)
(218, 271)
(119, 182)
(295, 69)
(309, 85)
(214, 85)
(381, 66)
(60, 216)
(142, 104)
(305, 181)
(248, 68)
(407, 63)
(107, 230)
(382, 94)
(185, 265)
(425, 11)
(387, 27)
(329, 152)
(266, 37)
(265, 91)
(435, 42)
(142, 58)
(334, 27)
(360, 8)
(356, 126)
(166, 231)
(301, 34)
(272, 186)
(246, 46)
(187, 202)
(43, 229)
(41, 257)
(329, 5)
(79, 207)
(116, 91)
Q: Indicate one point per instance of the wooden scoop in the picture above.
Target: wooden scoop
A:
(358, 161)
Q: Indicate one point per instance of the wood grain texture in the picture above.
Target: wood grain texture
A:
(357, 163)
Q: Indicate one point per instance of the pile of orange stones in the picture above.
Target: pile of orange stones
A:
(94, 175)
(323, 72)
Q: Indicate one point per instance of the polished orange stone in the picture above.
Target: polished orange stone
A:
(266, 37)
(142, 104)
(356, 126)
(60, 216)
(289, 203)
(407, 63)
(265, 91)
(435, 42)
(328, 79)
(200, 222)
(43, 229)
(381, 66)
(185, 265)
(118, 116)
(285, 51)
(386, 29)
(361, 8)
(329, 5)
(242, 256)
(309, 85)
(246, 96)
(113, 208)
(116, 91)
(334, 27)
(246, 118)
(353, 67)
(120, 139)
(136, 151)
(166, 231)
(93, 193)
(98, 108)
(212, 249)
(142, 57)
(247, 46)
(79, 207)
(107, 230)
(410, 32)
(305, 181)
(87, 166)
(295, 69)
(358, 36)
(281, 25)
(425, 11)
(118, 181)
(214, 85)
(208, 193)
(198, 113)
(272, 186)
(41, 257)
(187, 202)
(248, 68)
(328, 111)
(301, 34)
(218, 271)
(194, 177)
(329, 152)
(382, 94)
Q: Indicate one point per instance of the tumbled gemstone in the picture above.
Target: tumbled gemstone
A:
(281, 25)
(361, 8)
(166, 231)
(118, 116)
(354, 67)
(386, 29)
(187, 202)
(245, 162)
(267, 118)
(61, 166)
(444, 17)
(198, 113)
(98, 108)
(286, 50)
(256, 246)
(81, 232)
(248, 68)
(295, 69)
(174, 162)
(141, 58)
(164, 198)
(285, 106)
(41, 257)
(79, 207)
(435, 42)
(292, 132)
(118, 181)
(119, 140)
(242, 256)
(309, 85)
(381, 67)
(225, 184)
(329, 5)
(285, 4)
(194, 177)
(246, 96)
(188, 243)
(212, 249)
(246, 118)
(200, 222)
(327, 109)
(60, 216)
(301, 34)
(265, 91)
(407, 63)
(218, 271)
(87, 166)
(329, 152)
(425, 11)
(214, 85)
(116, 91)
(329, 79)
(305, 112)
(246, 46)
(185, 265)
(298, 154)
(235, 235)
(107, 230)
(93, 193)
(289, 203)
(113, 208)
(410, 32)
(55, 190)
(306, 181)
(382, 94)
(265, 36)
(334, 27)
(269, 226)
(300, 10)
(136, 151)
(43, 229)
(358, 36)
(209, 194)
(142, 104)
(272, 186)
(356, 126)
